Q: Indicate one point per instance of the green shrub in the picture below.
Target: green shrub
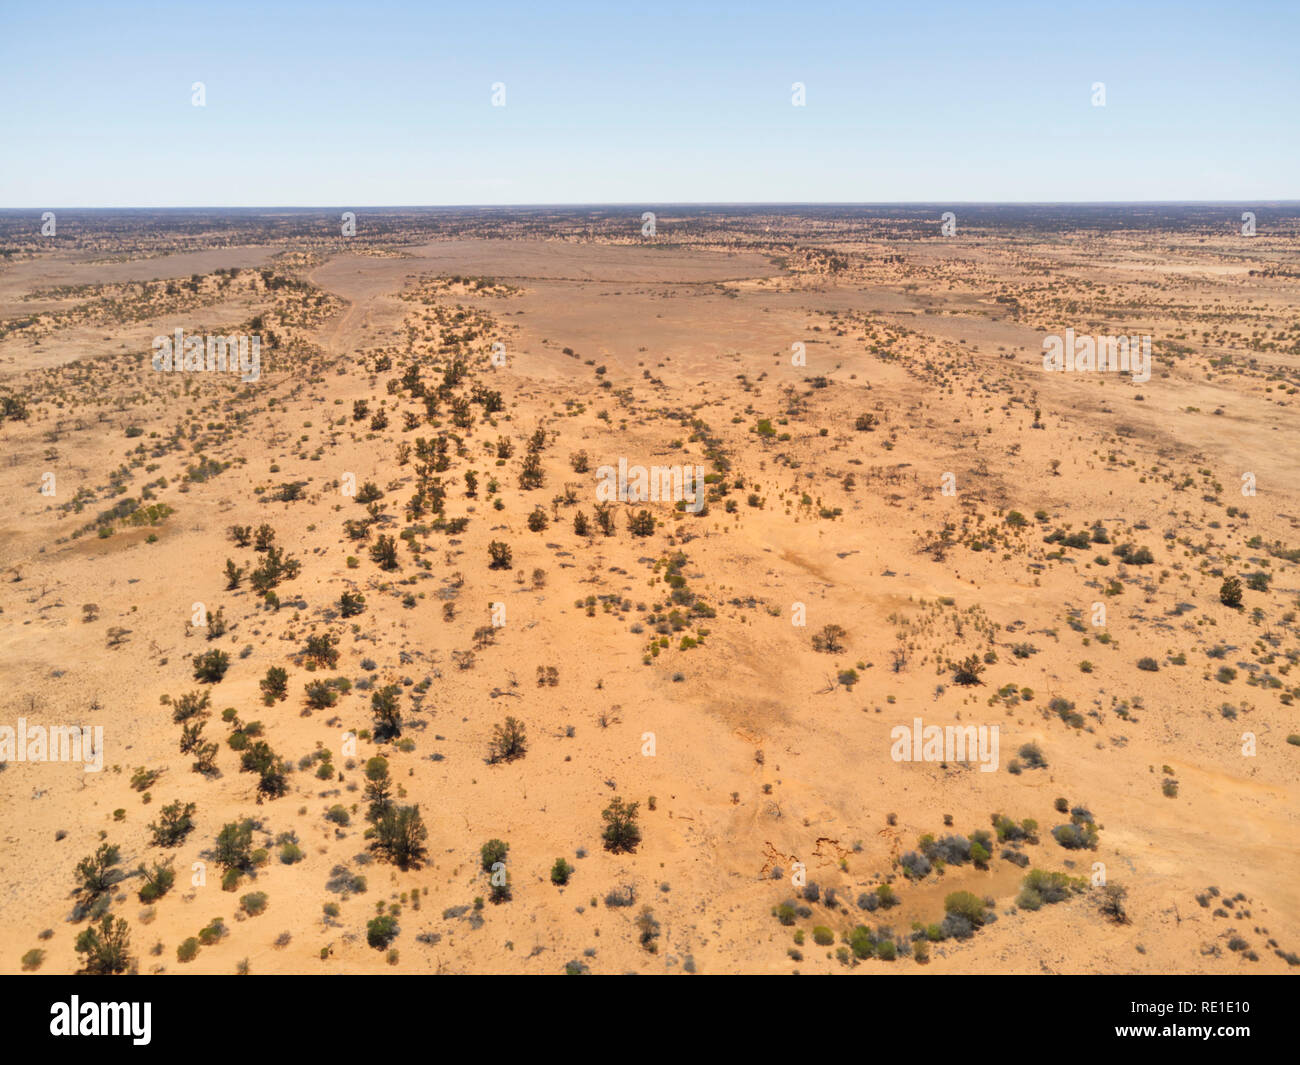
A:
(493, 851)
(213, 932)
(1076, 837)
(211, 666)
(380, 931)
(254, 903)
(1230, 592)
(621, 830)
(1040, 887)
(967, 905)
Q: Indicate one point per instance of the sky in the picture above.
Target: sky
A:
(391, 104)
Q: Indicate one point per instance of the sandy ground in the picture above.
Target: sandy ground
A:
(764, 755)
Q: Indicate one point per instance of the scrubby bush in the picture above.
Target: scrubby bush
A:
(1076, 837)
(956, 926)
(1041, 887)
(915, 866)
(965, 904)
(254, 903)
(213, 932)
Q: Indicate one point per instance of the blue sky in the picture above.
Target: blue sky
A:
(390, 103)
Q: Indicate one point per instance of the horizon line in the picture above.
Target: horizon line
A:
(661, 204)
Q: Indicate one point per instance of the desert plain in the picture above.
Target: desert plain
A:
(365, 624)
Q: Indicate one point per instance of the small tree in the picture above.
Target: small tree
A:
(211, 666)
(642, 523)
(157, 881)
(320, 649)
(621, 831)
(273, 774)
(105, 947)
(275, 685)
(190, 705)
(351, 604)
(400, 835)
(96, 872)
(500, 886)
(508, 741)
(1112, 902)
(380, 931)
(560, 872)
(320, 696)
(384, 552)
(500, 553)
(1230, 593)
(378, 788)
(191, 736)
(234, 849)
(830, 640)
(649, 929)
(384, 705)
(175, 822)
(968, 671)
(205, 758)
(493, 851)
(531, 475)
